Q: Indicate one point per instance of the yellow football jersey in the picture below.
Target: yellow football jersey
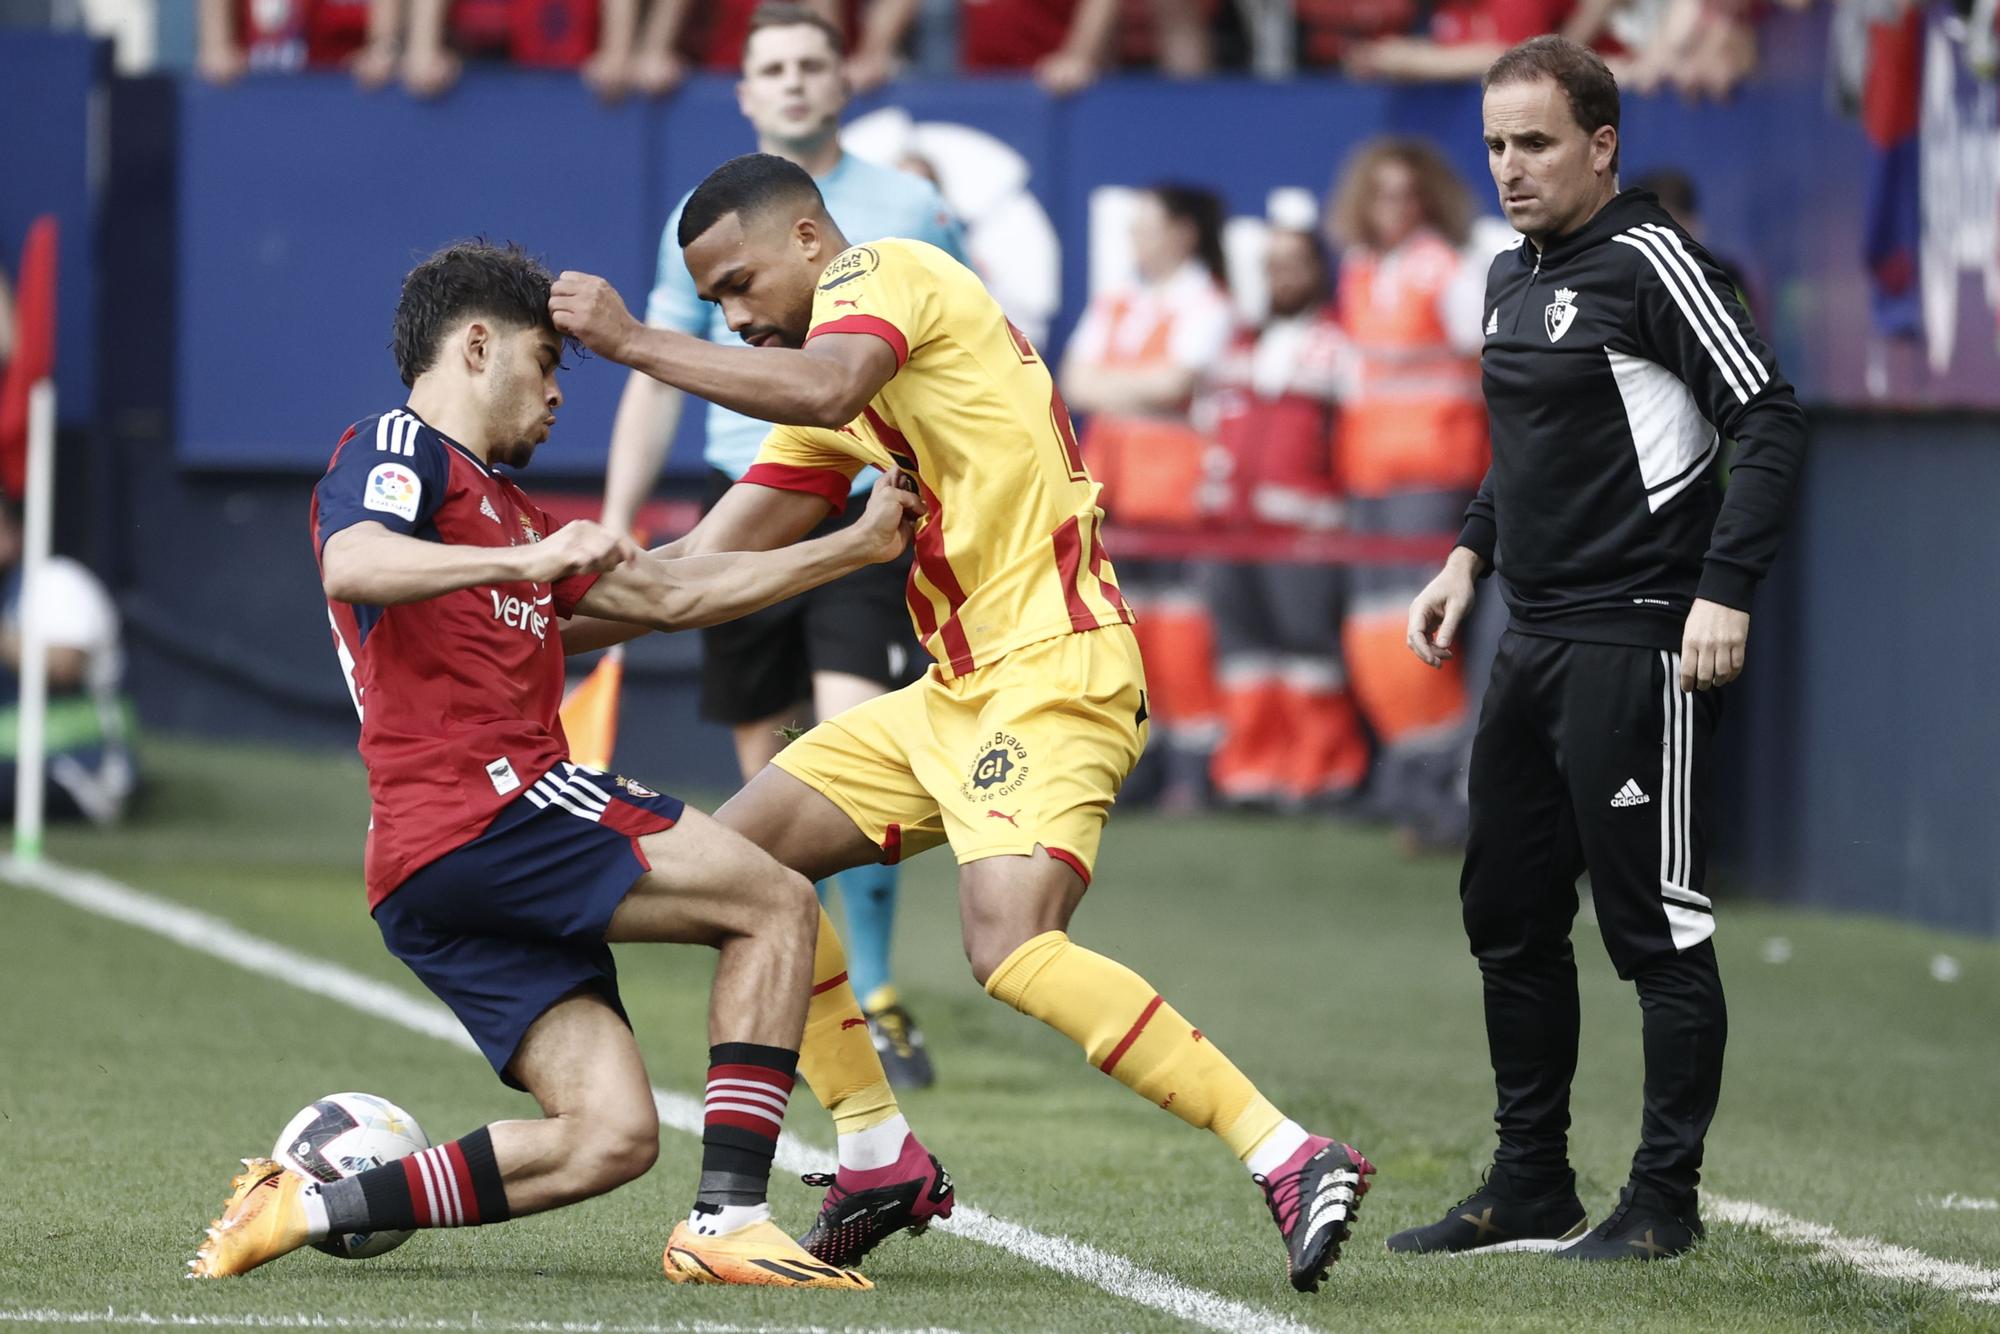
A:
(1007, 553)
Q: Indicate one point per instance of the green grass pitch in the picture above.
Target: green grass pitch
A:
(1861, 1093)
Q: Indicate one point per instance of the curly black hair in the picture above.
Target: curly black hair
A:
(464, 280)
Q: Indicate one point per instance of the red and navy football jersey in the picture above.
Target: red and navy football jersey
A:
(458, 694)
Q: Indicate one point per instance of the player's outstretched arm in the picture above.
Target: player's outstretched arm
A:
(750, 517)
(367, 565)
(747, 518)
(693, 591)
(641, 432)
(825, 384)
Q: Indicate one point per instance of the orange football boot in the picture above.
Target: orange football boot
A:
(261, 1220)
(760, 1254)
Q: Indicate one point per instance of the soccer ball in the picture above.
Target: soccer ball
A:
(346, 1133)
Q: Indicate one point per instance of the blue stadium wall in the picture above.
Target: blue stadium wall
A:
(198, 403)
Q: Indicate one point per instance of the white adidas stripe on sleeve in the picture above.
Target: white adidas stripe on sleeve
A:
(1673, 280)
(1756, 374)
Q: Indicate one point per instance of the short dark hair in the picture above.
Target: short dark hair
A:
(787, 14)
(1200, 208)
(465, 280)
(1579, 71)
(747, 186)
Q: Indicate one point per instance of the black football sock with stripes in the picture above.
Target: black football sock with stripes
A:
(453, 1185)
(748, 1088)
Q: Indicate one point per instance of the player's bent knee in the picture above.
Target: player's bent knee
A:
(793, 904)
(611, 1154)
(987, 948)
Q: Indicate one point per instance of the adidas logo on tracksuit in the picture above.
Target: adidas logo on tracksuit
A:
(1630, 795)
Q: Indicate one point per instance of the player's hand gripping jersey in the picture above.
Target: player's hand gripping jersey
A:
(1007, 553)
(458, 694)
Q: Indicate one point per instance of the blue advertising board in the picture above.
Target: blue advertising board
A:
(51, 161)
(303, 203)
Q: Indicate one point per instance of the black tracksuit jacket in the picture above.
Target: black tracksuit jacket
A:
(1617, 360)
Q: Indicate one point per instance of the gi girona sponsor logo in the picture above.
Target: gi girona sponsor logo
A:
(999, 769)
(518, 614)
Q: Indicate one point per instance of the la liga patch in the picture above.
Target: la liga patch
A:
(393, 489)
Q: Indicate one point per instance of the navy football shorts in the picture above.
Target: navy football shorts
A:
(512, 922)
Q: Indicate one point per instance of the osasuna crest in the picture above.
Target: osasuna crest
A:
(1560, 313)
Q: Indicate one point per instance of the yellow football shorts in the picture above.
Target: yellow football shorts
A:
(1029, 750)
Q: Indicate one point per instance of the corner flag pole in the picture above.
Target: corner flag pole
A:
(37, 506)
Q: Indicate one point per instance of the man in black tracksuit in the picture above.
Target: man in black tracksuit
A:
(1617, 360)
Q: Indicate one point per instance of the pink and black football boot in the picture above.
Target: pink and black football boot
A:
(862, 1209)
(1315, 1197)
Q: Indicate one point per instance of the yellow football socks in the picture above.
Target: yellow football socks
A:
(1130, 1033)
(838, 1058)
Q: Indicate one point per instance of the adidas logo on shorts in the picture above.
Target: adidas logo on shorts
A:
(1630, 795)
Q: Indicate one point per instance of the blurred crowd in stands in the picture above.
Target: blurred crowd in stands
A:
(1332, 388)
(1351, 402)
(1347, 402)
(1703, 48)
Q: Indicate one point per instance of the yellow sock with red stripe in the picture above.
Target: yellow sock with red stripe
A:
(1130, 1033)
(838, 1057)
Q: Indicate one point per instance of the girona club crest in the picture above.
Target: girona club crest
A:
(999, 768)
(1560, 313)
(993, 767)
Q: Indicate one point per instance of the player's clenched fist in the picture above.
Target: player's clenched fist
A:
(582, 547)
(589, 309)
(890, 521)
(1712, 645)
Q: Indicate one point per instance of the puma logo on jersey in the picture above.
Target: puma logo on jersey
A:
(838, 302)
(1002, 815)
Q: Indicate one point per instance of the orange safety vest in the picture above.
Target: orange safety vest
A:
(1413, 418)
(1150, 467)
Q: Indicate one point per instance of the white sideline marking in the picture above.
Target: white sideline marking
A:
(1969, 1202)
(1878, 1259)
(212, 935)
(204, 1320)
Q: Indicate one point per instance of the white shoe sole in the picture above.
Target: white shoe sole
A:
(1539, 1244)
(1526, 1245)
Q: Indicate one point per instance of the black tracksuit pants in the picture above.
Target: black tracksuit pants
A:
(1589, 757)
